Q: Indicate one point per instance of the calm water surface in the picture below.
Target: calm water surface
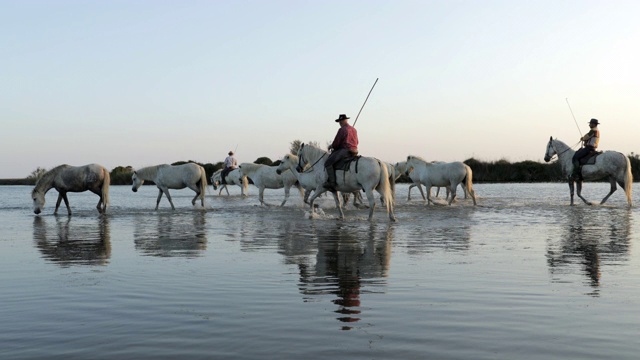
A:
(521, 276)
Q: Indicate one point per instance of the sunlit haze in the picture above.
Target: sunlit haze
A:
(147, 82)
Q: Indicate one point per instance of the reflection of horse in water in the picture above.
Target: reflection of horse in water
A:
(590, 239)
(73, 242)
(174, 235)
(347, 264)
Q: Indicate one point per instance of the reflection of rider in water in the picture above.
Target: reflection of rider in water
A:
(590, 143)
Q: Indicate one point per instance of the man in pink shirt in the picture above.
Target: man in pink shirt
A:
(345, 144)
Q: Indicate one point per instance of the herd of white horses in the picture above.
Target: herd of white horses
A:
(305, 171)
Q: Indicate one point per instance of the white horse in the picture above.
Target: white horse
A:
(442, 174)
(232, 178)
(168, 177)
(366, 173)
(610, 164)
(401, 168)
(308, 180)
(66, 178)
(266, 177)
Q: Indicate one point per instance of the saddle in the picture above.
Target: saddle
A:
(590, 158)
(345, 163)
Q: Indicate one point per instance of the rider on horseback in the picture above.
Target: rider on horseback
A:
(590, 143)
(344, 145)
(230, 163)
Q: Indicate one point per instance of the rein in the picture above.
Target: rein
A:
(565, 150)
(310, 167)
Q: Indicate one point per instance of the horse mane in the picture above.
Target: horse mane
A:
(47, 178)
(149, 172)
(560, 143)
(418, 158)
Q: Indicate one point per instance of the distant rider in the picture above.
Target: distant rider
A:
(230, 163)
(590, 143)
(345, 144)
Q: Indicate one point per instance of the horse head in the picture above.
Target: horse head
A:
(551, 151)
(136, 182)
(38, 201)
(285, 164)
(216, 179)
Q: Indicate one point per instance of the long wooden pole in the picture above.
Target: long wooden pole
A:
(365, 101)
(574, 117)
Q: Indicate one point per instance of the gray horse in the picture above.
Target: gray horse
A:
(66, 178)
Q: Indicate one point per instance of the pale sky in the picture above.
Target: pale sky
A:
(147, 82)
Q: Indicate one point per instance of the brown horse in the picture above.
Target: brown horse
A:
(66, 178)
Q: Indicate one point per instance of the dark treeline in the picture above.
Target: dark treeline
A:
(483, 171)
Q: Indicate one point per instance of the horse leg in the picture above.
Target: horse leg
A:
(166, 191)
(579, 191)
(58, 203)
(372, 202)
(317, 192)
(306, 196)
(336, 197)
(428, 191)
(99, 206)
(286, 195)
(261, 196)
(571, 191)
(452, 188)
(225, 189)
(612, 181)
(66, 201)
(421, 192)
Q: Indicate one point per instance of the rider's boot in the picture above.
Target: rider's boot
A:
(331, 181)
(576, 170)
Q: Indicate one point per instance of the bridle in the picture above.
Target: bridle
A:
(300, 162)
(550, 145)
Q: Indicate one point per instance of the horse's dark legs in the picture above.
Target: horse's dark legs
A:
(166, 192)
(160, 191)
(62, 196)
(571, 187)
(452, 189)
(579, 192)
(58, 202)
(612, 181)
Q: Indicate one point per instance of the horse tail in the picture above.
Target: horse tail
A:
(469, 183)
(384, 188)
(203, 183)
(628, 181)
(106, 181)
(392, 182)
(245, 184)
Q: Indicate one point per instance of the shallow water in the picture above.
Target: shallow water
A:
(522, 275)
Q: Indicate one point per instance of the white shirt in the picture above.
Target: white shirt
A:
(230, 162)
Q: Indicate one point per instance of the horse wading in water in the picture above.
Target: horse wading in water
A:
(449, 175)
(612, 164)
(365, 173)
(267, 177)
(66, 178)
(168, 177)
(233, 178)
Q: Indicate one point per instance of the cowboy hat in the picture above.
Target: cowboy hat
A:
(342, 117)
